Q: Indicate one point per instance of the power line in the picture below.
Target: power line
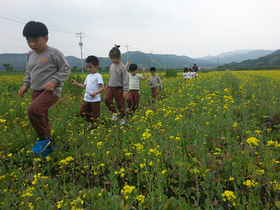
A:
(13, 16)
(49, 27)
(12, 20)
(54, 28)
(98, 40)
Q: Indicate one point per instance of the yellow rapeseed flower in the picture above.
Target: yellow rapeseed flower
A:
(252, 141)
(250, 183)
(140, 198)
(228, 195)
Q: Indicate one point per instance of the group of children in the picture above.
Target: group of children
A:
(47, 69)
(190, 73)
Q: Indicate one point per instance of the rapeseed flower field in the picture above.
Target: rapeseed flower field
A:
(210, 143)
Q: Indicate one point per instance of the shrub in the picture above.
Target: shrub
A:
(171, 73)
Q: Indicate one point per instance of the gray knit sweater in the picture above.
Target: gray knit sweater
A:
(48, 65)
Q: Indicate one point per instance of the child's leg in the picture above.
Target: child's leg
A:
(85, 111)
(96, 112)
(109, 100)
(38, 112)
(129, 99)
(136, 99)
(118, 94)
(154, 94)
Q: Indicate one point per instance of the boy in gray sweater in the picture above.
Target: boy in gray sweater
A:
(46, 70)
(155, 82)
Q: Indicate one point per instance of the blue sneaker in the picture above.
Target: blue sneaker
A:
(40, 146)
(46, 153)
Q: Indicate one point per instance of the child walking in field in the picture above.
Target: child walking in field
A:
(134, 87)
(186, 74)
(193, 74)
(90, 108)
(46, 70)
(117, 86)
(155, 82)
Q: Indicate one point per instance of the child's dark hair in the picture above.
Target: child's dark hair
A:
(186, 69)
(115, 52)
(153, 69)
(34, 29)
(133, 67)
(93, 60)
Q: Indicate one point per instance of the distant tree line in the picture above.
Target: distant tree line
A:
(8, 67)
(250, 68)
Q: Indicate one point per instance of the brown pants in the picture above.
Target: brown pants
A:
(90, 112)
(133, 97)
(117, 93)
(154, 93)
(38, 112)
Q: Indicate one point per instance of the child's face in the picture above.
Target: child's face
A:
(153, 73)
(91, 68)
(116, 60)
(37, 44)
(134, 72)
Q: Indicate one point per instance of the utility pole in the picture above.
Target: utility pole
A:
(127, 58)
(164, 63)
(100, 63)
(80, 35)
(151, 58)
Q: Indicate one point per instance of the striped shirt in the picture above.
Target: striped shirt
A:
(134, 83)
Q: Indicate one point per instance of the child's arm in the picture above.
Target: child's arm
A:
(22, 90)
(144, 77)
(99, 91)
(125, 83)
(27, 79)
(149, 81)
(78, 84)
(127, 63)
(159, 81)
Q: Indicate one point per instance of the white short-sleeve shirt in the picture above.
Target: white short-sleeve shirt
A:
(92, 85)
(186, 75)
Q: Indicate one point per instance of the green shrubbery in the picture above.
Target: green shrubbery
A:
(171, 73)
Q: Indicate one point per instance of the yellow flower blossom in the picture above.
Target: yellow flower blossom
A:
(234, 124)
(228, 195)
(250, 183)
(163, 171)
(275, 185)
(140, 198)
(252, 141)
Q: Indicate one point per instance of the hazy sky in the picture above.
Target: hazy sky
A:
(194, 28)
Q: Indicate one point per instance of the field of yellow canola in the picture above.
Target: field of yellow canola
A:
(211, 143)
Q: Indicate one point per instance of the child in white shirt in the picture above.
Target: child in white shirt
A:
(90, 108)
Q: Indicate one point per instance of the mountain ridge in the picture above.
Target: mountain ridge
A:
(160, 61)
(272, 59)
